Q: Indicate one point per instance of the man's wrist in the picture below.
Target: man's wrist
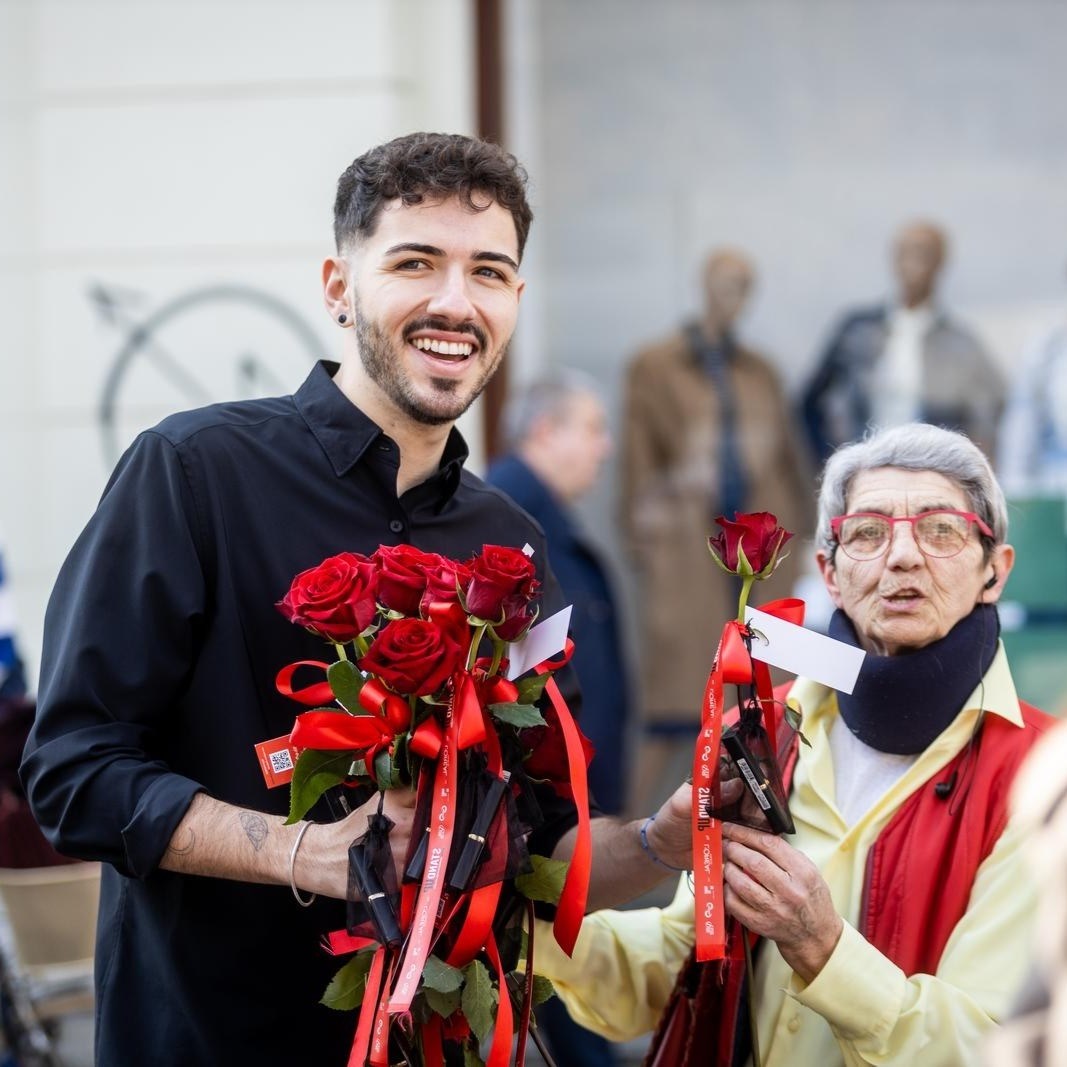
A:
(649, 848)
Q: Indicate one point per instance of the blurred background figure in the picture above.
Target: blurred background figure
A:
(1032, 446)
(12, 675)
(707, 432)
(905, 360)
(557, 439)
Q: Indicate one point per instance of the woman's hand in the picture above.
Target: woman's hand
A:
(778, 893)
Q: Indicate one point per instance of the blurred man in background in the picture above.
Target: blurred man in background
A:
(557, 438)
(707, 432)
(1032, 447)
(905, 360)
(12, 675)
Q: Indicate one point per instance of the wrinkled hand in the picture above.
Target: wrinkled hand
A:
(778, 893)
(328, 851)
(670, 836)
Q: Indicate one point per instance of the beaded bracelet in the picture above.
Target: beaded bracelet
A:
(292, 869)
(648, 848)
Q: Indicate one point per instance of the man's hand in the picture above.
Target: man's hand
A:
(778, 893)
(670, 837)
(322, 861)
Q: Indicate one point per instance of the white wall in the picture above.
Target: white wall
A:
(159, 148)
(804, 131)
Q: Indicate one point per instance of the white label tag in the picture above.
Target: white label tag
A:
(545, 640)
(804, 652)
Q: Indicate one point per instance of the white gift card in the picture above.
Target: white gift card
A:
(543, 641)
(804, 652)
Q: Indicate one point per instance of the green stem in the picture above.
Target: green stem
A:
(341, 654)
(476, 642)
(742, 603)
(498, 655)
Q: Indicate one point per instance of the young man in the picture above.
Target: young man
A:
(162, 641)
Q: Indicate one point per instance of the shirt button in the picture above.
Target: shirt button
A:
(396, 526)
(793, 1025)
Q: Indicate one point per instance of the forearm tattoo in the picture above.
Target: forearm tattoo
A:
(185, 846)
(255, 828)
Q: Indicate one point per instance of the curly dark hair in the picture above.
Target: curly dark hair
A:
(421, 165)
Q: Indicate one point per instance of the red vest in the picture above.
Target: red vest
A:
(919, 876)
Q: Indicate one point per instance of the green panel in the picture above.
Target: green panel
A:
(1038, 658)
(1037, 527)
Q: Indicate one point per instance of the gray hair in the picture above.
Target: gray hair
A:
(546, 397)
(915, 446)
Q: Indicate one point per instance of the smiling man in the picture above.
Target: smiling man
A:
(162, 641)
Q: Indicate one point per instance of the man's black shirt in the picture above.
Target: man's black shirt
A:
(161, 648)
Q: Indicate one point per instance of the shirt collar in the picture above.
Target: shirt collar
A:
(345, 433)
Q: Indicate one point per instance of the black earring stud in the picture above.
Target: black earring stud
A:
(342, 319)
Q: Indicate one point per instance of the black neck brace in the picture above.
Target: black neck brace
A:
(901, 703)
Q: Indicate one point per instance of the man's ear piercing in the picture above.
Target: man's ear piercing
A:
(342, 319)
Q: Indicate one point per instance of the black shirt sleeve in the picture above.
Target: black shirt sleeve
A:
(120, 636)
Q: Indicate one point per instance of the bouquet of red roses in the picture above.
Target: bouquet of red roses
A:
(418, 697)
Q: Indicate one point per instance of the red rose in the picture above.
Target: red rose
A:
(402, 575)
(503, 582)
(548, 753)
(444, 581)
(336, 599)
(519, 616)
(413, 656)
(750, 544)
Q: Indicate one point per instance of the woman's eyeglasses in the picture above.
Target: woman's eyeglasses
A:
(940, 533)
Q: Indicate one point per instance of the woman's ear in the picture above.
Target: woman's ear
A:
(825, 561)
(996, 572)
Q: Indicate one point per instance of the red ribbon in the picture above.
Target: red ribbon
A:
(443, 817)
(310, 695)
(571, 908)
(361, 1044)
(733, 664)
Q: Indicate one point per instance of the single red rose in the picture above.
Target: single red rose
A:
(503, 581)
(444, 582)
(547, 758)
(519, 616)
(749, 544)
(336, 600)
(402, 576)
(414, 657)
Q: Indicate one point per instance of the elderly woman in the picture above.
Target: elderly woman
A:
(896, 922)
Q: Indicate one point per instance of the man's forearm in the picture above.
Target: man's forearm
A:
(220, 840)
(623, 868)
(224, 841)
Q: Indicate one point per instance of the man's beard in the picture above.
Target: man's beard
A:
(385, 367)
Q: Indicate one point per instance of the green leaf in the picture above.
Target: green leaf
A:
(795, 719)
(543, 989)
(346, 988)
(517, 715)
(346, 682)
(386, 771)
(440, 976)
(479, 998)
(444, 1004)
(314, 773)
(545, 882)
(531, 687)
(471, 1057)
